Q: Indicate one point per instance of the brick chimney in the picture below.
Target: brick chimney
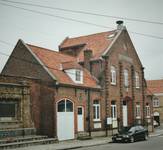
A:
(119, 24)
(87, 57)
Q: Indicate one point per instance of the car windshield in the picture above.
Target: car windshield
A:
(127, 130)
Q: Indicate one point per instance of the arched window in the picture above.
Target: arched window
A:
(138, 112)
(96, 110)
(113, 75)
(137, 85)
(148, 111)
(65, 105)
(114, 110)
(126, 78)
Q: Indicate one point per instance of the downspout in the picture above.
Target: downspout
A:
(143, 96)
(88, 116)
(133, 94)
(120, 124)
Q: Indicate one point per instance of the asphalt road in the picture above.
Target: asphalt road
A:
(154, 143)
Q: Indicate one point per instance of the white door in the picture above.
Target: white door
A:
(65, 120)
(125, 116)
(80, 118)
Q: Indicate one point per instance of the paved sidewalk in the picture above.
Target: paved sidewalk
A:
(157, 132)
(72, 144)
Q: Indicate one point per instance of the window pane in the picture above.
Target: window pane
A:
(7, 109)
(96, 102)
(78, 75)
(61, 106)
(98, 112)
(94, 112)
(69, 106)
(79, 111)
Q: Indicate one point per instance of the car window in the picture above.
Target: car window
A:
(132, 130)
(141, 128)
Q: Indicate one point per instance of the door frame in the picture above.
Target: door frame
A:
(82, 116)
(65, 112)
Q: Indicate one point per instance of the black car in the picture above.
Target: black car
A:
(131, 134)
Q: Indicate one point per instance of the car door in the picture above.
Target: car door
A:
(137, 133)
(142, 132)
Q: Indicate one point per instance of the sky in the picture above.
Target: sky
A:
(50, 27)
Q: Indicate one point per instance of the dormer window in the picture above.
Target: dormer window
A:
(76, 75)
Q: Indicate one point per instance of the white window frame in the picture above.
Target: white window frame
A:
(114, 111)
(156, 102)
(137, 81)
(96, 107)
(113, 75)
(78, 75)
(138, 111)
(147, 108)
(126, 82)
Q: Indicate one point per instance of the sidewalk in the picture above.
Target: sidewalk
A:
(72, 144)
(157, 132)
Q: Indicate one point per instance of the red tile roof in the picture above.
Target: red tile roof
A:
(53, 60)
(155, 86)
(98, 43)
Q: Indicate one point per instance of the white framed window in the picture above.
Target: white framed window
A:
(114, 111)
(138, 112)
(156, 102)
(147, 111)
(137, 84)
(113, 75)
(78, 75)
(126, 78)
(96, 110)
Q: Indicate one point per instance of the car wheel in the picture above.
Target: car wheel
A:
(132, 139)
(145, 136)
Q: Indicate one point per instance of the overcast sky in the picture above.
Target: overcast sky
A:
(49, 31)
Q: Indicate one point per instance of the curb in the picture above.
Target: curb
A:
(75, 147)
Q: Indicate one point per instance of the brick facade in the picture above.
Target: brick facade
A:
(50, 85)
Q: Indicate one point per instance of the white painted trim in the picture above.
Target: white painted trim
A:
(158, 94)
(40, 62)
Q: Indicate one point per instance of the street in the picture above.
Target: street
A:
(155, 143)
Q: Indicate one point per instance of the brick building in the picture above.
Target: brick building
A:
(93, 84)
(156, 87)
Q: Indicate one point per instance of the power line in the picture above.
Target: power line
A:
(87, 13)
(79, 21)
(56, 16)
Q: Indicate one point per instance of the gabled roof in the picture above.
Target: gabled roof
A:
(56, 62)
(155, 86)
(98, 43)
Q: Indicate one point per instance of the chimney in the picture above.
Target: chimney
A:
(119, 24)
(87, 57)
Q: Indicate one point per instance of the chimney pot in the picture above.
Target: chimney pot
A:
(119, 24)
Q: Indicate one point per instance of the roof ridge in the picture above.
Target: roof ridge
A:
(90, 34)
(42, 48)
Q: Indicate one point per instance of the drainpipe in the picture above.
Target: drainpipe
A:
(107, 110)
(88, 116)
(143, 96)
(121, 95)
(133, 94)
